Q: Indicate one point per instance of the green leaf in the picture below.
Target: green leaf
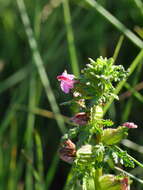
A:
(121, 157)
(110, 182)
(113, 136)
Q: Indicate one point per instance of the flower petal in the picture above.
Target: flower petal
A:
(65, 88)
(67, 81)
(69, 76)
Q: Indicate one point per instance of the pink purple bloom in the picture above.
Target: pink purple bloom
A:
(80, 118)
(129, 125)
(67, 81)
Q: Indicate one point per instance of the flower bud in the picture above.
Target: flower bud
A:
(130, 125)
(125, 184)
(67, 152)
(80, 118)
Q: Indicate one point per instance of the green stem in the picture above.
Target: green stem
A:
(97, 175)
(70, 38)
(132, 67)
(115, 22)
(40, 64)
(84, 185)
(118, 47)
(130, 175)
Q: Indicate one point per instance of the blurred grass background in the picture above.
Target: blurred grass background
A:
(38, 40)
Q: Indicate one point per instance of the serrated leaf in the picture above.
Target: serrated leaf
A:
(122, 157)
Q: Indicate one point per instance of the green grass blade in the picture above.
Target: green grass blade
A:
(121, 84)
(15, 78)
(22, 73)
(139, 5)
(128, 106)
(118, 47)
(51, 172)
(28, 138)
(68, 180)
(39, 153)
(129, 174)
(29, 162)
(112, 109)
(42, 113)
(12, 169)
(115, 22)
(70, 38)
(128, 143)
(11, 110)
(39, 64)
(139, 31)
(134, 92)
(39, 162)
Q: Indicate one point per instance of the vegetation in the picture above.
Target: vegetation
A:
(39, 40)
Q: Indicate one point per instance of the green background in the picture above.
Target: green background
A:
(61, 35)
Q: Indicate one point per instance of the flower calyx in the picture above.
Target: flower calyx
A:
(67, 151)
(80, 118)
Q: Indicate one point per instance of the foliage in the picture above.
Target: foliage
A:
(95, 145)
(97, 80)
(26, 113)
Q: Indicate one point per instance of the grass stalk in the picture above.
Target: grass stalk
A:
(112, 110)
(39, 162)
(134, 92)
(128, 106)
(129, 174)
(70, 38)
(130, 144)
(51, 172)
(29, 133)
(139, 5)
(39, 63)
(118, 47)
(121, 84)
(13, 149)
(115, 22)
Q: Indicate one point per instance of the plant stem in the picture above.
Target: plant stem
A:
(97, 175)
(118, 47)
(70, 38)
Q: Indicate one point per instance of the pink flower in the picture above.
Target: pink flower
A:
(80, 118)
(130, 125)
(67, 81)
